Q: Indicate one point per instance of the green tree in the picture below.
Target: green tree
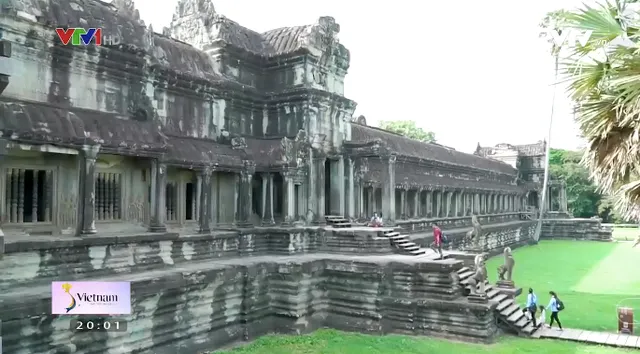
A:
(582, 195)
(409, 129)
(604, 82)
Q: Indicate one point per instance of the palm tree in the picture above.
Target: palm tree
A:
(603, 78)
(553, 21)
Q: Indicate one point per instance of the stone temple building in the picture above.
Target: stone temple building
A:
(207, 125)
(219, 171)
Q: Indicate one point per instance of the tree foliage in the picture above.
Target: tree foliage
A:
(603, 77)
(582, 195)
(409, 129)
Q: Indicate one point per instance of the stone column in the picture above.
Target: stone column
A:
(270, 198)
(361, 211)
(352, 188)
(448, 204)
(403, 203)
(341, 188)
(213, 210)
(439, 206)
(205, 201)
(416, 204)
(244, 194)
(320, 180)
(288, 197)
(312, 193)
(389, 190)
(87, 184)
(429, 204)
(265, 191)
(3, 151)
(158, 195)
(563, 198)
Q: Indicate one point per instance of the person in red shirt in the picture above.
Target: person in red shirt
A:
(436, 245)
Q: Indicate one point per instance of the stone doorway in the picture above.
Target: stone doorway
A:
(533, 200)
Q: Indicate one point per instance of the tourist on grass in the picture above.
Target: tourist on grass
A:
(436, 245)
(532, 306)
(555, 305)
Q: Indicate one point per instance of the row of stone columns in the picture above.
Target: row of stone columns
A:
(561, 197)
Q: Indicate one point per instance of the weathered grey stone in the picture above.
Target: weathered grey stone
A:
(578, 229)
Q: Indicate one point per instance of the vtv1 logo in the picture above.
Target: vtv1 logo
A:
(84, 36)
(568, 36)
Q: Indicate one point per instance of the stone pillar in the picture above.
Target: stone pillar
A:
(389, 190)
(288, 197)
(87, 184)
(312, 179)
(158, 195)
(563, 198)
(341, 188)
(351, 170)
(244, 194)
(448, 204)
(360, 184)
(265, 191)
(320, 180)
(439, 206)
(213, 210)
(205, 201)
(403, 203)
(270, 199)
(429, 204)
(416, 204)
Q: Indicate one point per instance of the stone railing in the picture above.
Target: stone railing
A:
(575, 228)
(456, 222)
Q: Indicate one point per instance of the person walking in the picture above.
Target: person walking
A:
(436, 245)
(532, 306)
(555, 305)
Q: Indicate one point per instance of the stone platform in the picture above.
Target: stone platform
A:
(590, 337)
(204, 305)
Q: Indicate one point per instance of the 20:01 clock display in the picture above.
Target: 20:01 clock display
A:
(98, 325)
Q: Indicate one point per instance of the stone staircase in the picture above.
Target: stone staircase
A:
(337, 221)
(509, 313)
(403, 243)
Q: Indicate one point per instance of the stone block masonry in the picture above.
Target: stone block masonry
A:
(205, 305)
(577, 229)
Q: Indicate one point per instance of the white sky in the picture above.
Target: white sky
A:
(471, 72)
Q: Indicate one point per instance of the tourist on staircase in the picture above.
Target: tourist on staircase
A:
(542, 320)
(376, 221)
(436, 245)
(556, 306)
(532, 306)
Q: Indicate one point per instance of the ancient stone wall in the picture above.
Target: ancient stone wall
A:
(185, 301)
(578, 229)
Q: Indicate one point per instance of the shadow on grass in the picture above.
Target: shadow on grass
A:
(572, 269)
(336, 342)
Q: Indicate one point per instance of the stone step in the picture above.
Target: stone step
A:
(412, 248)
(391, 234)
(466, 275)
(510, 310)
(500, 298)
(514, 317)
(492, 293)
(399, 237)
(464, 270)
(418, 252)
(504, 304)
(529, 329)
(522, 322)
(327, 217)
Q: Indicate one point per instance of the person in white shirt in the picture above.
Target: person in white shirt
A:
(542, 320)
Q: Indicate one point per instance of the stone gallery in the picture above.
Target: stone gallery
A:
(221, 171)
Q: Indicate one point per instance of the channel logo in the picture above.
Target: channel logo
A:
(90, 298)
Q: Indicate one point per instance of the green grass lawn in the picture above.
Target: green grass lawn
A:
(591, 278)
(335, 342)
(625, 233)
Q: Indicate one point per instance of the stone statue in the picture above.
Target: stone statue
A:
(474, 234)
(477, 280)
(505, 271)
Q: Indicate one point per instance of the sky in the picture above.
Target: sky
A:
(473, 72)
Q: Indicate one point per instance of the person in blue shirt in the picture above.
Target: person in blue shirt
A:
(532, 305)
(553, 305)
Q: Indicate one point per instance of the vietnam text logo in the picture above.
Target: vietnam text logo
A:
(90, 298)
(86, 36)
